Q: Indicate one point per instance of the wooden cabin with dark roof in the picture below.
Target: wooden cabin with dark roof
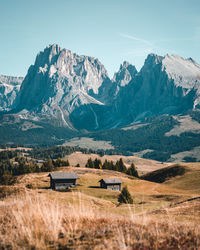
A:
(112, 184)
(62, 180)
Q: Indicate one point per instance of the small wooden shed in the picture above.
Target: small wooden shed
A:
(113, 184)
(62, 180)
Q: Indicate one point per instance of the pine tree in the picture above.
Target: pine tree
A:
(132, 171)
(47, 166)
(125, 196)
(89, 164)
(97, 163)
(112, 166)
(67, 163)
(120, 166)
(105, 165)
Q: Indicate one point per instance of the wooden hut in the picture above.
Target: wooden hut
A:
(62, 180)
(113, 184)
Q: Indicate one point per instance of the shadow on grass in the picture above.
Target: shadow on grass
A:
(45, 188)
(94, 187)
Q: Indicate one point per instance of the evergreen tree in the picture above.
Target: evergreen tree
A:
(132, 171)
(105, 165)
(37, 169)
(120, 166)
(58, 162)
(23, 168)
(116, 167)
(67, 163)
(47, 166)
(112, 166)
(97, 163)
(6, 178)
(89, 164)
(125, 196)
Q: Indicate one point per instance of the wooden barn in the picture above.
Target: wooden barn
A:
(113, 184)
(60, 181)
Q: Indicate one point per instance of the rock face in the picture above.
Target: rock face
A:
(165, 85)
(60, 82)
(126, 73)
(75, 91)
(9, 89)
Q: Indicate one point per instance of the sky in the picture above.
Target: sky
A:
(111, 30)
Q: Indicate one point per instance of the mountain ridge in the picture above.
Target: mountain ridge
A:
(63, 91)
(61, 85)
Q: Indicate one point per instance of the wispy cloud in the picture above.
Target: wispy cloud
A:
(153, 46)
(152, 42)
(138, 39)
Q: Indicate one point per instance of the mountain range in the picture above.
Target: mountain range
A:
(74, 93)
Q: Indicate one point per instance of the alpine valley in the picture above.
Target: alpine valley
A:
(67, 98)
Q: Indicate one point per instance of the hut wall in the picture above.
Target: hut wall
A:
(63, 183)
(114, 187)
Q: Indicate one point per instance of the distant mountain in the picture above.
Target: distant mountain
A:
(75, 91)
(65, 95)
(61, 81)
(126, 73)
(9, 89)
(165, 85)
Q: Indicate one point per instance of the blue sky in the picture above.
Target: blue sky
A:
(111, 30)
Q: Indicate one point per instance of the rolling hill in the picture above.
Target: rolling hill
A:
(89, 217)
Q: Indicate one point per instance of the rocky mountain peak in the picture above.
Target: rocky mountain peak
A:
(184, 72)
(124, 65)
(125, 74)
(151, 62)
(75, 90)
(48, 56)
(153, 59)
(61, 81)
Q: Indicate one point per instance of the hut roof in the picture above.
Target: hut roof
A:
(63, 175)
(112, 181)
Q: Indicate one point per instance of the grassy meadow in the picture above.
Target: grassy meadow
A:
(163, 216)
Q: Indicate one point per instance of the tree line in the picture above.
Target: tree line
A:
(110, 165)
(9, 169)
(61, 151)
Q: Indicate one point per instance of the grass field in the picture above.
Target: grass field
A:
(142, 165)
(86, 142)
(163, 215)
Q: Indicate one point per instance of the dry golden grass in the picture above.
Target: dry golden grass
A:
(150, 195)
(35, 222)
(190, 181)
(35, 217)
(143, 165)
